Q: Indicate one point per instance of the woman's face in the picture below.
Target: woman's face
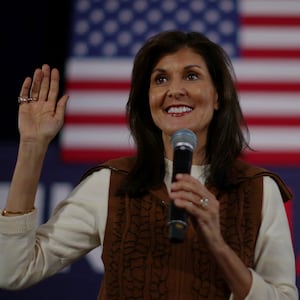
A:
(182, 95)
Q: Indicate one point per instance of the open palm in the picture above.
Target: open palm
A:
(41, 119)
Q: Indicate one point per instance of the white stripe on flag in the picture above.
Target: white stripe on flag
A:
(98, 102)
(270, 104)
(246, 69)
(275, 138)
(264, 37)
(97, 136)
(97, 68)
(260, 70)
(270, 7)
(252, 103)
(283, 70)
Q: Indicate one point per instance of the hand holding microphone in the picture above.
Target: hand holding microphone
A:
(197, 200)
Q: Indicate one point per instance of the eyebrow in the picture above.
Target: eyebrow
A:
(185, 68)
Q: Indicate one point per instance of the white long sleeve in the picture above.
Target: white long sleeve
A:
(76, 227)
(274, 273)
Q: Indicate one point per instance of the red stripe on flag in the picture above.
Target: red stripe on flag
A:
(93, 155)
(270, 21)
(270, 53)
(125, 85)
(269, 86)
(298, 264)
(96, 155)
(273, 121)
(279, 158)
(93, 119)
(92, 85)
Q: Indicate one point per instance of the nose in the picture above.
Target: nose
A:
(176, 92)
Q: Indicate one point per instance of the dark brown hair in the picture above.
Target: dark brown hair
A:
(225, 140)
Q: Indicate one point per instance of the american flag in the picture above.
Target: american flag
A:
(261, 36)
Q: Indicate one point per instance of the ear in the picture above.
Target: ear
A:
(216, 102)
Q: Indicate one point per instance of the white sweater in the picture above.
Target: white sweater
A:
(29, 255)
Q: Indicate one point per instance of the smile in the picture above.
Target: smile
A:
(178, 109)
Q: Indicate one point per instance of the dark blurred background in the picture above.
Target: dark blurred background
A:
(33, 32)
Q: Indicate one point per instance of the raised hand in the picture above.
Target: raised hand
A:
(41, 116)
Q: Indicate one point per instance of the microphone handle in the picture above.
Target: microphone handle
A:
(182, 162)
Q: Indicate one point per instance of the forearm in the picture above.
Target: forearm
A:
(26, 176)
(39, 121)
(236, 274)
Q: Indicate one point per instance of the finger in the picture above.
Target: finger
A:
(188, 183)
(25, 87)
(191, 208)
(187, 178)
(206, 215)
(54, 87)
(185, 196)
(44, 88)
(191, 191)
(61, 107)
(36, 83)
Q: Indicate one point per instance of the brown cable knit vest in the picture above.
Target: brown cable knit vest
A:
(141, 263)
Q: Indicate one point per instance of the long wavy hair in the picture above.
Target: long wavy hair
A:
(225, 141)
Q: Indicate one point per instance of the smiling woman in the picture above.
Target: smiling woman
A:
(185, 63)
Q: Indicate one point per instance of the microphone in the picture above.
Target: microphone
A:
(183, 142)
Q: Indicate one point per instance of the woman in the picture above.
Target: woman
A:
(237, 244)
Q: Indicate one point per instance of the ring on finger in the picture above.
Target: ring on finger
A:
(204, 203)
(25, 99)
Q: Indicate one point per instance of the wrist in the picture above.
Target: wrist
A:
(9, 213)
(36, 148)
(34, 143)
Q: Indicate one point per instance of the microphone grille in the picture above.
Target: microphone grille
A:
(184, 136)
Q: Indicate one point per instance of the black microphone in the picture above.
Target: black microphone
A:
(183, 142)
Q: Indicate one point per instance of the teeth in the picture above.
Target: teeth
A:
(178, 109)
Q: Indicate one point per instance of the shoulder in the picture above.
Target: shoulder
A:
(118, 165)
(244, 171)
(123, 164)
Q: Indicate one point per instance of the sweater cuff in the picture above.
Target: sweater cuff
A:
(254, 285)
(18, 224)
(252, 288)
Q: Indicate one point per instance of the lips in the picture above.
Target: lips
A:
(178, 109)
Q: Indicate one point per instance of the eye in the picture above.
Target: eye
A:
(160, 79)
(192, 76)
